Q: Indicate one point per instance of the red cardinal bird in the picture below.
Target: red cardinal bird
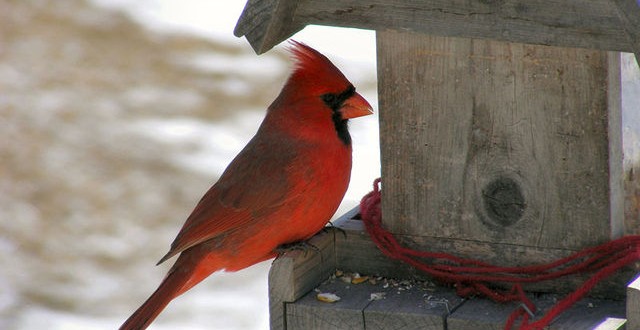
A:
(282, 188)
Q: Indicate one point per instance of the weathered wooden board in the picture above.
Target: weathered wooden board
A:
(629, 13)
(587, 314)
(402, 307)
(633, 304)
(265, 23)
(357, 253)
(411, 308)
(480, 314)
(347, 313)
(434, 310)
(572, 23)
(499, 142)
(295, 273)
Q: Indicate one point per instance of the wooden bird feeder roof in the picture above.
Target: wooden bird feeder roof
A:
(597, 24)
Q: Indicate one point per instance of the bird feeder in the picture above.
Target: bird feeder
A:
(500, 139)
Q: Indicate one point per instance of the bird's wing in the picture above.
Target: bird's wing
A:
(254, 185)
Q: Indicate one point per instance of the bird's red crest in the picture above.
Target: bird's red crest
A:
(315, 68)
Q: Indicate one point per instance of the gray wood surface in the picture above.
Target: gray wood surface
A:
(590, 314)
(573, 23)
(483, 314)
(357, 253)
(589, 24)
(403, 307)
(499, 142)
(295, 273)
(414, 308)
(309, 313)
(587, 314)
(265, 23)
(629, 13)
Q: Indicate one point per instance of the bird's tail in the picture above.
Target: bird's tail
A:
(192, 266)
(170, 288)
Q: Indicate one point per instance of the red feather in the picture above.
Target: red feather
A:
(281, 188)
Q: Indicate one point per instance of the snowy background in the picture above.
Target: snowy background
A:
(115, 117)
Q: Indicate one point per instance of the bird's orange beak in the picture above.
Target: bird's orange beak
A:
(355, 106)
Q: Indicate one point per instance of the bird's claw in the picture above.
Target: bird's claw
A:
(297, 246)
(331, 226)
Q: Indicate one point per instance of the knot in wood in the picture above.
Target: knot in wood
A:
(503, 201)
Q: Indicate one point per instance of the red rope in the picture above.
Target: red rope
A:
(473, 277)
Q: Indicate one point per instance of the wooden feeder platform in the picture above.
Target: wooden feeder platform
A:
(403, 298)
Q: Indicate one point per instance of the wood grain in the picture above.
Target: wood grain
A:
(412, 309)
(309, 313)
(293, 297)
(465, 123)
(357, 253)
(295, 273)
(571, 23)
(402, 307)
(591, 314)
(587, 314)
(265, 23)
(629, 13)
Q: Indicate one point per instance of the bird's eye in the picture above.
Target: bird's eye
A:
(329, 98)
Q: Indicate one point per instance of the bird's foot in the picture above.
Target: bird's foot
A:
(331, 226)
(297, 246)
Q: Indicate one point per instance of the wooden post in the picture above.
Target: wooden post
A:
(499, 144)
